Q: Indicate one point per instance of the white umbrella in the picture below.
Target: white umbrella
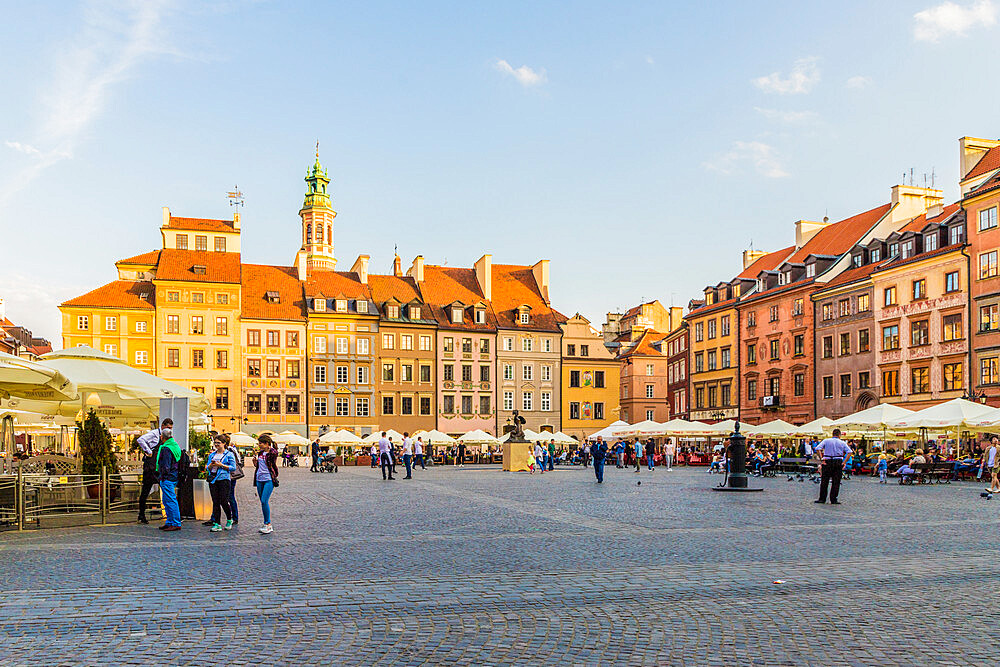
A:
(242, 439)
(778, 428)
(377, 435)
(647, 428)
(28, 379)
(290, 438)
(727, 426)
(478, 437)
(435, 436)
(876, 417)
(956, 413)
(341, 438)
(529, 435)
(562, 438)
(685, 427)
(813, 428)
(607, 431)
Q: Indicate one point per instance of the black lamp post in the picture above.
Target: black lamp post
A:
(736, 479)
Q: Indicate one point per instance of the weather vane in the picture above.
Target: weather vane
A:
(317, 149)
(235, 197)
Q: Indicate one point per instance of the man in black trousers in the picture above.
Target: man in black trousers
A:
(149, 443)
(834, 451)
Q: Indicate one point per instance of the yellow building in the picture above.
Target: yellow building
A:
(117, 318)
(590, 379)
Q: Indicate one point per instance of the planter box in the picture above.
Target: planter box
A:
(363, 461)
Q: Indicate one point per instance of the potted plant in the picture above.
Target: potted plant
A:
(95, 450)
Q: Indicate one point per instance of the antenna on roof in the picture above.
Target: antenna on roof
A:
(925, 179)
(911, 177)
(933, 175)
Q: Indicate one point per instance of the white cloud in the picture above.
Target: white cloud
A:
(789, 117)
(649, 60)
(803, 78)
(525, 75)
(858, 82)
(32, 301)
(761, 156)
(949, 19)
(111, 43)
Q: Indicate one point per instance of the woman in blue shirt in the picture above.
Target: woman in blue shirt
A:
(221, 463)
(265, 478)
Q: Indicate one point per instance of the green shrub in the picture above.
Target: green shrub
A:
(95, 446)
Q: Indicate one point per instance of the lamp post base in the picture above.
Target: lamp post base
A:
(744, 489)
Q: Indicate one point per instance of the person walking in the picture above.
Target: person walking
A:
(168, 472)
(149, 443)
(407, 455)
(385, 457)
(376, 458)
(585, 454)
(539, 453)
(315, 456)
(266, 478)
(233, 477)
(668, 454)
(599, 451)
(637, 452)
(418, 452)
(460, 459)
(220, 465)
(650, 454)
(991, 462)
(834, 451)
(620, 451)
(552, 454)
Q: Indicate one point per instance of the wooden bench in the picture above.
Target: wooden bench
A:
(928, 473)
(795, 465)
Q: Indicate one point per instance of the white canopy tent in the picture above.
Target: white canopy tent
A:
(562, 438)
(22, 378)
(478, 437)
(727, 426)
(815, 428)
(372, 439)
(435, 436)
(875, 418)
(644, 429)
(607, 431)
(290, 438)
(241, 439)
(957, 413)
(340, 438)
(778, 428)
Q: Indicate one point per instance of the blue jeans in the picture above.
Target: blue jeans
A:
(650, 461)
(406, 462)
(168, 492)
(550, 461)
(232, 500)
(599, 469)
(264, 490)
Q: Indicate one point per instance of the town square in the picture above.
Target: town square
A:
(524, 334)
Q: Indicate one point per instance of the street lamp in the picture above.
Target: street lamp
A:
(976, 396)
(736, 477)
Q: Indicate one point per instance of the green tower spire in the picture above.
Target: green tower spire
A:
(317, 181)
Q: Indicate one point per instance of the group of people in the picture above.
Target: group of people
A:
(387, 454)
(166, 465)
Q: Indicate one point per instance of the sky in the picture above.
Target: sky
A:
(640, 147)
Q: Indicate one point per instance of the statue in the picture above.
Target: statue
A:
(517, 433)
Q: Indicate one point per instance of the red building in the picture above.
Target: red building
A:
(678, 352)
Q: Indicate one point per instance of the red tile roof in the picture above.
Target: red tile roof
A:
(220, 267)
(922, 221)
(986, 164)
(118, 294)
(201, 224)
(444, 285)
(514, 286)
(988, 185)
(385, 288)
(258, 280)
(768, 262)
(837, 238)
(920, 256)
(644, 346)
(145, 259)
(332, 284)
(853, 274)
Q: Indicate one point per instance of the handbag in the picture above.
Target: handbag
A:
(238, 474)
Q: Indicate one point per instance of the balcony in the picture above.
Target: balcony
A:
(772, 402)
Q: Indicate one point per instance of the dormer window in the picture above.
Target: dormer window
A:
(760, 284)
(930, 242)
(341, 305)
(200, 269)
(319, 305)
(955, 234)
(144, 296)
(392, 312)
(524, 317)
(414, 312)
(272, 297)
(810, 270)
(480, 316)
(709, 298)
(736, 291)
(906, 250)
(456, 315)
(893, 249)
(876, 254)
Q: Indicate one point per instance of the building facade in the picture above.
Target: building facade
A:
(590, 380)
(677, 348)
(643, 387)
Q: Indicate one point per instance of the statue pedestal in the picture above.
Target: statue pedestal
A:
(515, 456)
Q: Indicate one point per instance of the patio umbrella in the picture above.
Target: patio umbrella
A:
(377, 435)
(529, 435)
(957, 413)
(435, 436)
(778, 428)
(727, 426)
(644, 429)
(28, 379)
(607, 431)
(814, 428)
(290, 438)
(242, 439)
(478, 437)
(340, 438)
(874, 418)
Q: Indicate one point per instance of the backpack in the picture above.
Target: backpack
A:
(238, 473)
(183, 464)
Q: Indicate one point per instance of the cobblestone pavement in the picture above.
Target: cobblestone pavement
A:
(475, 566)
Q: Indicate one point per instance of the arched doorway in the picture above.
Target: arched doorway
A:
(865, 401)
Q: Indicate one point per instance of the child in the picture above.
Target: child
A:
(883, 467)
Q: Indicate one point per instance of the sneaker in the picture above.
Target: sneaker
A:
(229, 525)
(216, 528)
(267, 530)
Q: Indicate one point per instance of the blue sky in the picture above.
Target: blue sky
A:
(640, 147)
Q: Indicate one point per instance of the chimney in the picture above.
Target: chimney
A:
(397, 266)
(416, 270)
(751, 256)
(971, 151)
(676, 316)
(541, 273)
(236, 217)
(166, 216)
(806, 229)
(361, 268)
(484, 275)
(910, 201)
(300, 261)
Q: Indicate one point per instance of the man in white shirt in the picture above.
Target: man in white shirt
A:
(992, 463)
(407, 454)
(418, 451)
(834, 451)
(148, 443)
(385, 456)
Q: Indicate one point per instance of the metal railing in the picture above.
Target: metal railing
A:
(31, 500)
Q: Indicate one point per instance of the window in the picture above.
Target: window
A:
(362, 374)
(449, 373)
(546, 373)
(751, 353)
(387, 405)
(864, 303)
(253, 404)
(711, 356)
(988, 264)
(362, 346)
(864, 342)
(221, 326)
(845, 384)
(773, 314)
(930, 242)
(448, 345)
(920, 380)
(392, 312)
(466, 346)
(319, 374)
(361, 406)
(752, 319)
(388, 341)
(343, 345)
(726, 394)
(319, 406)
(200, 243)
(456, 315)
(274, 368)
(699, 331)
(546, 401)
(253, 339)
(222, 398)
(83, 322)
(890, 337)
(845, 344)
(649, 415)
(141, 358)
(797, 307)
(584, 349)
(890, 383)
(173, 358)
(342, 406)
(906, 249)
(508, 371)
(919, 332)
(197, 358)
(484, 373)
(989, 371)
(827, 347)
(699, 362)
(574, 378)
(875, 255)
(713, 396)
(292, 368)
(341, 306)
(111, 349)
(951, 282)
(989, 317)
(222, 298)
(955, 234)
(425, 343)
(524, 318)
(222, 359)
(220, 244)
(649, 370)
(827, 311)
(864, 379)
(111, 323)
(140, 327)
(798, 384)
(598, 410)
(988, 218)
(952, 376)
(752, 390)
(889, 295)
(292, 405)
(527, 400)
(343, 374)
(292, 339)
(952, 327)
(711, 329)
(197, 324)
(649, 391)
(467, 372)
(526, 344)
(724, 325)
(775, 345)
(319, 305)
(273, 404)
(425, 404)
(724, 361)
(844, 307)
(388, 372)
(508, 400)
(406, 342)
(828, 386)
(273, 338)
(919, 289)
(181, 241)
(414, 314)
(598, 379)
(425, 373)
(484, 346)
(173, 324)
(858, 259)
(574, 410)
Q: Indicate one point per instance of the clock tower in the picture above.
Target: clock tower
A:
(317, 222)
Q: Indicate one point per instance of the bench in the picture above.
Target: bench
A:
(798, 466)
(928, 473)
